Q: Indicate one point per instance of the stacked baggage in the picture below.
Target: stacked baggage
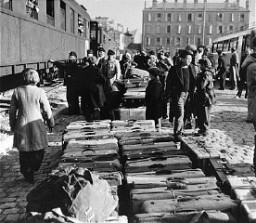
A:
(92, 145)
(133, 103)
(244, 190)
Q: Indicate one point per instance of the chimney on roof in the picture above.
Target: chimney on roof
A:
(164, 1)
(195, 1)
(185, 1)
(205, 1)
(176, 1)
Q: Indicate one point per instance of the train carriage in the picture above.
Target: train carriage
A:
(33, 31)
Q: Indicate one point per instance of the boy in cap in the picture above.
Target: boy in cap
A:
(153, 98)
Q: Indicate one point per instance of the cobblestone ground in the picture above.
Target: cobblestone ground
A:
(229, 133)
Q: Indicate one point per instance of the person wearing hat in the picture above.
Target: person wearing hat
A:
(234, 64)
(221, 70)
(180, 86)
(71, 79)
(204, 98)
(153, 97)
(111, 71)
(101, 57)
(93, 97)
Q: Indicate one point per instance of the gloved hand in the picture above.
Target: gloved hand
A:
(50, 123)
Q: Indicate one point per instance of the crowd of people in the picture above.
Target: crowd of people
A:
(185, 81)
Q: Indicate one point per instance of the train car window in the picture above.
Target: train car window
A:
(80, 25)
(233, 43)
(214, 47)
(63, 21)
(225, 45)
(32, 8)
(50, 12)
(72, 20)
(7, 4)
(220, 46)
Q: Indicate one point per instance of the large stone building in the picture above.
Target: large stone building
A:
(172, 25)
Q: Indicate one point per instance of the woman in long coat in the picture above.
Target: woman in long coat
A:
(26, 121)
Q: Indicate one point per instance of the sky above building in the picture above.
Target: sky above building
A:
(126, 12)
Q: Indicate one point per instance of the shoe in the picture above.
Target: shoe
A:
(177, 137)
(29, 177)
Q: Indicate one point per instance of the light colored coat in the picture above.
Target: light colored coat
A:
(26, 119)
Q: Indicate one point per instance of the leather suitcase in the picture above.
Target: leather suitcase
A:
(243, 194)
(107, 166)
(191, 188)
(136, 83)
(153, 179)
(79, 125)
(137, 73)
(113, 178)
(177, 162)
(117, 219)
(185, 217)
(131, 113)
(158, 149)
(133, 99)
(93, 142)
(219, 202)
(248, 211)
(120, 125)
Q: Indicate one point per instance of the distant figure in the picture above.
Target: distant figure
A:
(204, 98)
(249, 65)
(126, 64)
(72, 74)
(180, 86)
(112, 72)
(234, 63)
(222, 70)
(153, 98)
(26, 121)
(101, 58)
(93, 96)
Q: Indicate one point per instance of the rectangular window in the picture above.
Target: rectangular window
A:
(210, 29)
(189, 29)
(209, 41)
(225, 45)
(242, 17)
(199, 29)
(168, 41)
(189, 17)
(219, 17)
(148, 29)
(188, 40)
(7, 4)
(80, 25)
(168, 29)
(63, 15)
(179, 29)
(148, 41)
(158, 29)
(86, 29)
(169, 17)
(231, 29)
(231, 19)
(50, 12)
(233, 43)
(198, 41)
(158, 16)
(179, 17)
(220, 29)
(177, 41)
(158, 40)
(32, 8)
(200, 17)
(149, 16)
(72, 20)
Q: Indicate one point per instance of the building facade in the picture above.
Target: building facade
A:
(172, 25)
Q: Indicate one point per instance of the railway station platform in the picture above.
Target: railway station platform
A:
(230, 137)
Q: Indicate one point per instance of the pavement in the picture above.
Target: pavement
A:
(229, 133)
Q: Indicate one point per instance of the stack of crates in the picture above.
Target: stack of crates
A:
(133, 104)
(93, 146)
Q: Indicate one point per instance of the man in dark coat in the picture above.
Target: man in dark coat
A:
(180, 86)
(72, 74)
(153, 97)
(93, 97)
(222, 70)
